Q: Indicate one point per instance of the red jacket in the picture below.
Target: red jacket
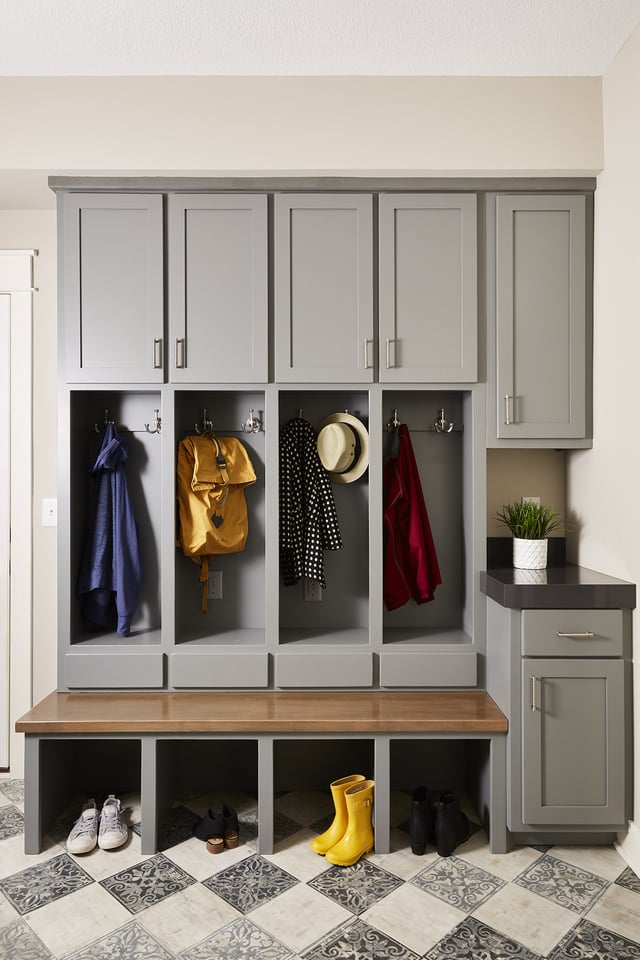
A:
(410, 562)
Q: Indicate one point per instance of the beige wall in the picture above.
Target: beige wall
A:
(513, 474)
(257, 125)
(293, 124)
(603, 483)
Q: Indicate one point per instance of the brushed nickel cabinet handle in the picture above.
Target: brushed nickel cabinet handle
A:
(179, 353)
(534, 702)
(157, 353)
(576, 636)
(389, 341)
(366, 354)
(507, 410)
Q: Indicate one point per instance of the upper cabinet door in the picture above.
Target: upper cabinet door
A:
(541, 316)
(112, 299)
(324, 288)
(218, 292)
(428, 288)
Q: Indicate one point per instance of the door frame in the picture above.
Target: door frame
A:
(16, 289)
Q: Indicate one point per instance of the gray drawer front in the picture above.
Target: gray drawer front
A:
(215, 669)
(324, 669)
(596, 633)
(102, 671)
(428, 669)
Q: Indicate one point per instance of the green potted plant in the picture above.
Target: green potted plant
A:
(530, 523)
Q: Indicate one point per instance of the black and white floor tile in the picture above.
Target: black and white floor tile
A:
(182, 903)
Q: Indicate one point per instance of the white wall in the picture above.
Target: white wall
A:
(357, 125)
(603, 484)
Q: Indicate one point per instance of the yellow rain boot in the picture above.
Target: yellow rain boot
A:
(331, 836)
(358, 837)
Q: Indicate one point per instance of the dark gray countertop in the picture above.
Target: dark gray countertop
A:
(558, 587)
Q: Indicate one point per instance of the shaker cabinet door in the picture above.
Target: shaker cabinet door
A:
(573, 742)
(428, 288)
(112, 296)
(324, 288)
(541, 317)
(218, 297)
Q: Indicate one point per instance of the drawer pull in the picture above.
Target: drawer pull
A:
(534, 702)
(575, 636)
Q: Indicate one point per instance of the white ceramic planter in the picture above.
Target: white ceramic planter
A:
(529, 554)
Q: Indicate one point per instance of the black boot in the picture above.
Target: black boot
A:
(451, 826)
(420, 821)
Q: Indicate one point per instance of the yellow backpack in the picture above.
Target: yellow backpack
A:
(212, 509)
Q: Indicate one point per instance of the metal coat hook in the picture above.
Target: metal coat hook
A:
(251, 424)
(394, 423)
(441, 424)
(107, 420)
(205, 428)
(157, 423)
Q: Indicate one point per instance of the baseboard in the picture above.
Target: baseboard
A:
(629, 847)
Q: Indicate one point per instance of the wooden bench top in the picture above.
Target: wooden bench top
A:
(366, 712)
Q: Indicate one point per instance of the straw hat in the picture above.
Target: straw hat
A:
(343, 447)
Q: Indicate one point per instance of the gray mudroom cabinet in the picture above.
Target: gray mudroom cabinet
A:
(217, 288)
(427, 293)
(539, 346)
(323, 288)
(111, 290)
(562, 677)
(428, 288)
(196, 303)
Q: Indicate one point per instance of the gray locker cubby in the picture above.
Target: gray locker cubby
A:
(437, 643)
(102, 658)
(328, 642)
(226, 646)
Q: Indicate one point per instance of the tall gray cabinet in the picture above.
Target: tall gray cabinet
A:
(539, 308)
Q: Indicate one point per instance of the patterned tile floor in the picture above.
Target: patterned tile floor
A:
(185, 904)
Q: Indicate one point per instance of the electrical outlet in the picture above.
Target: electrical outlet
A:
(49, 513)
(214, 585)
(535, 500)
(312, 589)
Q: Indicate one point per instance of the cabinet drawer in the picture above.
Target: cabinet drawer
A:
(334, 668)
(118, 671)
(572, 633)
(217, 669)
(426, 669)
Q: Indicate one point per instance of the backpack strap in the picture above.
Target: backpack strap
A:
(204, 580)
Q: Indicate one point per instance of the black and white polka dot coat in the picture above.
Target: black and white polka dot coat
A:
(308, 518)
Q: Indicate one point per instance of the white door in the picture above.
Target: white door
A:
(5, 509)
(16, 286)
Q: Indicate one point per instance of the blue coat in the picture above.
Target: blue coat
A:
(111, 575)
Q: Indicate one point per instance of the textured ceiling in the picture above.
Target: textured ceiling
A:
(313, 37)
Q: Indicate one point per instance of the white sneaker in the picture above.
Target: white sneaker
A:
(113, 830)
(84, 834)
